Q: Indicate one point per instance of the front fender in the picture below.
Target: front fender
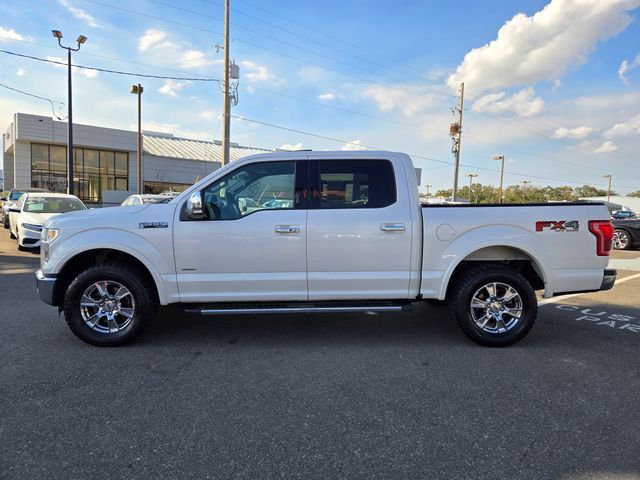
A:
(154, 252)
(495, 236)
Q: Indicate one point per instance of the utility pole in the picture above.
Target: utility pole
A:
(455, 130)
(608, 187)
(227, 102)
(501, 158)
(428, 187)
(524, 189)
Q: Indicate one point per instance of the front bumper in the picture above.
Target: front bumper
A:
(46, 286)
(28, 238)
(609, 279)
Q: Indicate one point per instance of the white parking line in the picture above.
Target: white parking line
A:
(563, 297)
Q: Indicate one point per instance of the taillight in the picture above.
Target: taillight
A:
(603, 231)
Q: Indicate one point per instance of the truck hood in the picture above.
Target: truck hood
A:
(105, 217)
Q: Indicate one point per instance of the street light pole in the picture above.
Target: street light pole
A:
(524, 189)
(80, 40)
(501, 158)
(471, 177)
(137, 89)
(428, 187)
(608, 187)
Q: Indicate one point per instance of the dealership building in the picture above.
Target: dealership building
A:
(105, 159)
(105, 166)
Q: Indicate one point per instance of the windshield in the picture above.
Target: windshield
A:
(52, 205)
(15, 195)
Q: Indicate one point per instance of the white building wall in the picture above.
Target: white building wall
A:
(22, 164)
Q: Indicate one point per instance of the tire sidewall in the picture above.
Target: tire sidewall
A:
(470, 287)
(626, 235)
(143, 305)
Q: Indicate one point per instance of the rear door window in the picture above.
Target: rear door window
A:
(339, 184)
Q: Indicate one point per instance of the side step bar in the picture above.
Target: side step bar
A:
(327, 307)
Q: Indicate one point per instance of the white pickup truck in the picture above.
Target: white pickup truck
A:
(318, 232)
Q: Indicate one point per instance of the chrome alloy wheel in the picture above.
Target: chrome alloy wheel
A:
(496, 308)
(620, 240)
(107, 306)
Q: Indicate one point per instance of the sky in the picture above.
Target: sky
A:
(551, 85)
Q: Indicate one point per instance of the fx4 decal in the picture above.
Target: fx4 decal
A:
(558, 226)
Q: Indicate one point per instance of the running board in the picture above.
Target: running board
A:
(328, 307)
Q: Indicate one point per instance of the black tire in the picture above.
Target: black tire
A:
(141, 288)
(471, 282)
(5, 222)
(11, 235)
(621, 239)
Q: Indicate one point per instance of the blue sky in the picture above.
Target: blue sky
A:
(551, 85)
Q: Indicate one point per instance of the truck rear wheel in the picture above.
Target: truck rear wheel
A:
(494, 306)
(109, 305)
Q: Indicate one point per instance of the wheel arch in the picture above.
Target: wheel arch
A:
(97, 256)
(518, 259)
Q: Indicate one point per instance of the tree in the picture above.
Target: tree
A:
(589, 191)
(634, 194)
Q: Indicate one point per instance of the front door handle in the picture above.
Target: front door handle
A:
(392, 227)
(287, 229)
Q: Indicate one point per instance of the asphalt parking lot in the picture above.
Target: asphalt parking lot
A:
(316, 396)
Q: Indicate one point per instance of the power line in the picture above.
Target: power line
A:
(333, 139)
(53, 110)
(274, 51)
(105, 70)
(196, 79)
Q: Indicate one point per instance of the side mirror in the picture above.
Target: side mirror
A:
(3, 199)
(193, 209)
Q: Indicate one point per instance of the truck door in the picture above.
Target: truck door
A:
(358, 230)
(251, 245)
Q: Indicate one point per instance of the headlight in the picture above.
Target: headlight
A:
(49, 234)
(31, 226)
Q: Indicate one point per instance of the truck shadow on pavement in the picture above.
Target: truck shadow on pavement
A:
(426, 324)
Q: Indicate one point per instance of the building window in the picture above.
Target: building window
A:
(93, 170)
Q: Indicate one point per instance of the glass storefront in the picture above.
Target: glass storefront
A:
(165, 187)
(93, 170)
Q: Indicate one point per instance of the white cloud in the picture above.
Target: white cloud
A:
(353, 145)
(194, 59)
(151, 38)
(161, 48)
(626, 67)
(606, 147)
(632, 127)
(296, 146)
(79, 13)
(9, 34)
(529, 49)
(523, 103)
(62, 63)
(21, 72)
(257, 73)
(171, 88)
(397, 98)
(207, 114)
(330, 96)
(578, 133)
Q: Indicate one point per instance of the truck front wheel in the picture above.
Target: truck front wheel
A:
(109, 305)
(494, 306)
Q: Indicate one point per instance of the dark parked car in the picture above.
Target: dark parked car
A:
(626, 232)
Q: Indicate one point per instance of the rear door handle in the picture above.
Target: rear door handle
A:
(287, 229)
(392, 227)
